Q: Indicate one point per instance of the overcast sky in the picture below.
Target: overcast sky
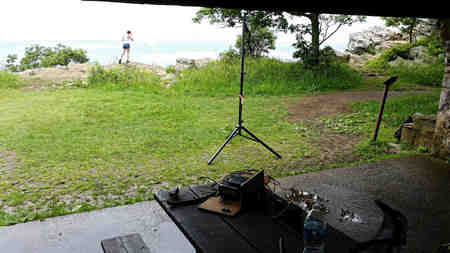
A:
(64, 20)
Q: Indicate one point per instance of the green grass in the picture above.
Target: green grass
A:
(424, 74)
(9, 81)
(125, 77)
(268, 77)
(104, 148)
(428, 73)
(395, 112)
(122, 136)
(399, 108)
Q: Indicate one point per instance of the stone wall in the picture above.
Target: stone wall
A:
(420, 132)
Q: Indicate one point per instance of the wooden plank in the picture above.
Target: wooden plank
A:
(132, 243)
(206, 231)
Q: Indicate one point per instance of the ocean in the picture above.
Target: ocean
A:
(163, 53)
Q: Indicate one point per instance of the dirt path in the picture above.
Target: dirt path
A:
(314, 107)
(333, 147)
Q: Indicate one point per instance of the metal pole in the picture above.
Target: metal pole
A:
(240, 127)
(387, 83)
(241, 92)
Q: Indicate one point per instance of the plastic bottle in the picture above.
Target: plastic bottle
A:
(314, 231)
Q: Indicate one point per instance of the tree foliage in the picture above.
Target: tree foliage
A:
(37, 56)
(408, 25)
(311, 35)
(11, 62)
(259, 35)
(258, 42)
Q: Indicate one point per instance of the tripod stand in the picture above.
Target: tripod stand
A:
(240, 127)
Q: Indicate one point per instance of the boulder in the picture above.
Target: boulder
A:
(185, 63)
(399, 61)
(383, 45)
(420, 55)
(418, 52)
(374, 38)
(359, 60)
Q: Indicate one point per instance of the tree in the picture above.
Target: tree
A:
(260, 37)
(310, 36)
(11, 63)
(258, 42)
(406, 25)
(37, 56)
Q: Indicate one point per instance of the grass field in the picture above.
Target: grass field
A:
(78, 149)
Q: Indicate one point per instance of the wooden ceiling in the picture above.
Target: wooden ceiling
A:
(435, 9)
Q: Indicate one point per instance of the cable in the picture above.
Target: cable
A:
(204, 177)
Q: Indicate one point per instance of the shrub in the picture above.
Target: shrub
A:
(121, 77)
(419, 73)
(433, 45)
(381, 63)
(424, 74)
(37, 56)
(265, 76)
(9, 80)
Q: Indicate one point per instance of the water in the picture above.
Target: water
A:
(163, 53)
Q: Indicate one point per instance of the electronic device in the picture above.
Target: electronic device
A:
(237, 192)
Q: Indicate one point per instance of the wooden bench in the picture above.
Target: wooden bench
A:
(132, 243)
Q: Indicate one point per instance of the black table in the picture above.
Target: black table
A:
(256, 231)
(338, 198)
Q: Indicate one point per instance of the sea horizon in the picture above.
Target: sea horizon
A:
(163, 53)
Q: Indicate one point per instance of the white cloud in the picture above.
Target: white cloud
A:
(77, 20)
(97, 25)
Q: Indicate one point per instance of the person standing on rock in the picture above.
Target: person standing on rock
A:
(126, 42)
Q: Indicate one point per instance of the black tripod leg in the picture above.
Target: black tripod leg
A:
(260, 141)
(224, 144)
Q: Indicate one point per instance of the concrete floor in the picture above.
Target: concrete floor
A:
(419, 187)
(83, 232)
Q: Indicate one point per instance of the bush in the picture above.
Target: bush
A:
(37, 56)
(429, 74)
(433, 45)
(9, 80)
(381, 63)
(265, 76)
(423, 74)
(121, 78)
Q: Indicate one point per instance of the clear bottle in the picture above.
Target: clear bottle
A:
(315, 231)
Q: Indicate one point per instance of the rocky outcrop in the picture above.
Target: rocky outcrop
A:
(184, 63)
(373, 40)
(45, 77)
(58, 73)
(369, 44)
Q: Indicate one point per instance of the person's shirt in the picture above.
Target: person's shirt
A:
(127, 39)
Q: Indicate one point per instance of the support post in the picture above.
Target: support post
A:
(442, 130)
